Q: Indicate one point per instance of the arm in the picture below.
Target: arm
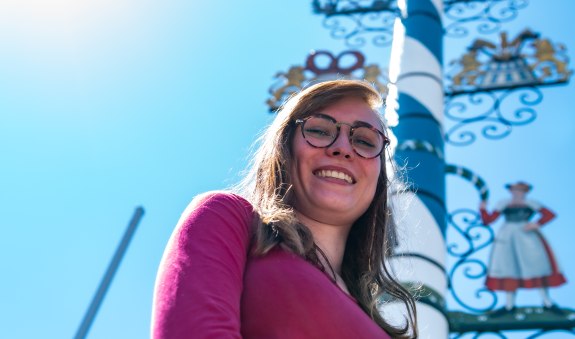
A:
(487, 217)
(200, 279)
(546, 216)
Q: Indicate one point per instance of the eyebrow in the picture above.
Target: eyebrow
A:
(356, 123)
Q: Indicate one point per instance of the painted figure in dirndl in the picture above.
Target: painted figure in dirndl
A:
(521, 257)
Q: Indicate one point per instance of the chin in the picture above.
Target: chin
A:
(343, 206)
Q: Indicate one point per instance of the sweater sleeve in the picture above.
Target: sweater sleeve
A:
(487, 217)
(200, 278)
(546, 216)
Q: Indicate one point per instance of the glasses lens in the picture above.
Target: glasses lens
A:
(367, 142)
(320, 132)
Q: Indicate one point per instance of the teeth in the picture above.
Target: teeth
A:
(335, 174)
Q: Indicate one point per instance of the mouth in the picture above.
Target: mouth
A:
(323, 173)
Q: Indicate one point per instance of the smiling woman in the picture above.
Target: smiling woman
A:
(306, 233)
(319, 192)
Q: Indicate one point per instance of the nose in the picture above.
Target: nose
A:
(342, 145)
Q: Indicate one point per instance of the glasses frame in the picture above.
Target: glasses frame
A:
(338, 124)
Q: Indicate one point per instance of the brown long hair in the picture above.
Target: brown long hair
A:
(371, 239)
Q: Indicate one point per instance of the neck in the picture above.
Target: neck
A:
(331, 239)
(518, 199)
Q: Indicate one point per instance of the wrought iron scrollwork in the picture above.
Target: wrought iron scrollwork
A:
(544, 333)
(502, 335)
(524, 60)
(489, 335)
(345, 7)
(492, 112)
(357, 29)
(486, 15)
(474, 236)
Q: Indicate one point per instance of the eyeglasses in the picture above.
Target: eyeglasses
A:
(320, 130)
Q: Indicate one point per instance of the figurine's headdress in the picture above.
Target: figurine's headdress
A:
(522, 185)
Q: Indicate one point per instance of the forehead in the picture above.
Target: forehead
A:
(519, 188)
(350, 110)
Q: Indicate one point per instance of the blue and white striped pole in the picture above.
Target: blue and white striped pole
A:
(416, 100)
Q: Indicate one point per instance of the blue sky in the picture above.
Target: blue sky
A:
(109, 105)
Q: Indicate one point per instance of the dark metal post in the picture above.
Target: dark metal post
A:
(107, 280)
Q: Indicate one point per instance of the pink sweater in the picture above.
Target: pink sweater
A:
(209, 287)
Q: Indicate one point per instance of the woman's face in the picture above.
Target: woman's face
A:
(518, 193)
(320, 192)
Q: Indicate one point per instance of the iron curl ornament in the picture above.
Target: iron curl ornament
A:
(547, 333)
(491, 114)
(356, 30)
(480, 335)
(468, 237)
(344, 7)
(501, 334)
(483, 81)
(359, 21)
(523, 60)
(486, 15)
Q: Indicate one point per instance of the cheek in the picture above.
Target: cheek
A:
(297, 159)
(298, 144)
(374, 176)
(301, 155)
(375, 172)
(293, 172)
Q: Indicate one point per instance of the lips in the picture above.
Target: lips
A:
(336, 174)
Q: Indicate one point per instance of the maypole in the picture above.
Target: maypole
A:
(416, 98)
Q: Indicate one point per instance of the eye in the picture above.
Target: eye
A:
(364, 143)
(317, 131)
(365, 138)
(320, 128)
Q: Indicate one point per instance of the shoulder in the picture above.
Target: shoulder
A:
(215, 198)
(217, 213)
(534, 204)
(502, 204)
(219, 202)
(213, 222)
